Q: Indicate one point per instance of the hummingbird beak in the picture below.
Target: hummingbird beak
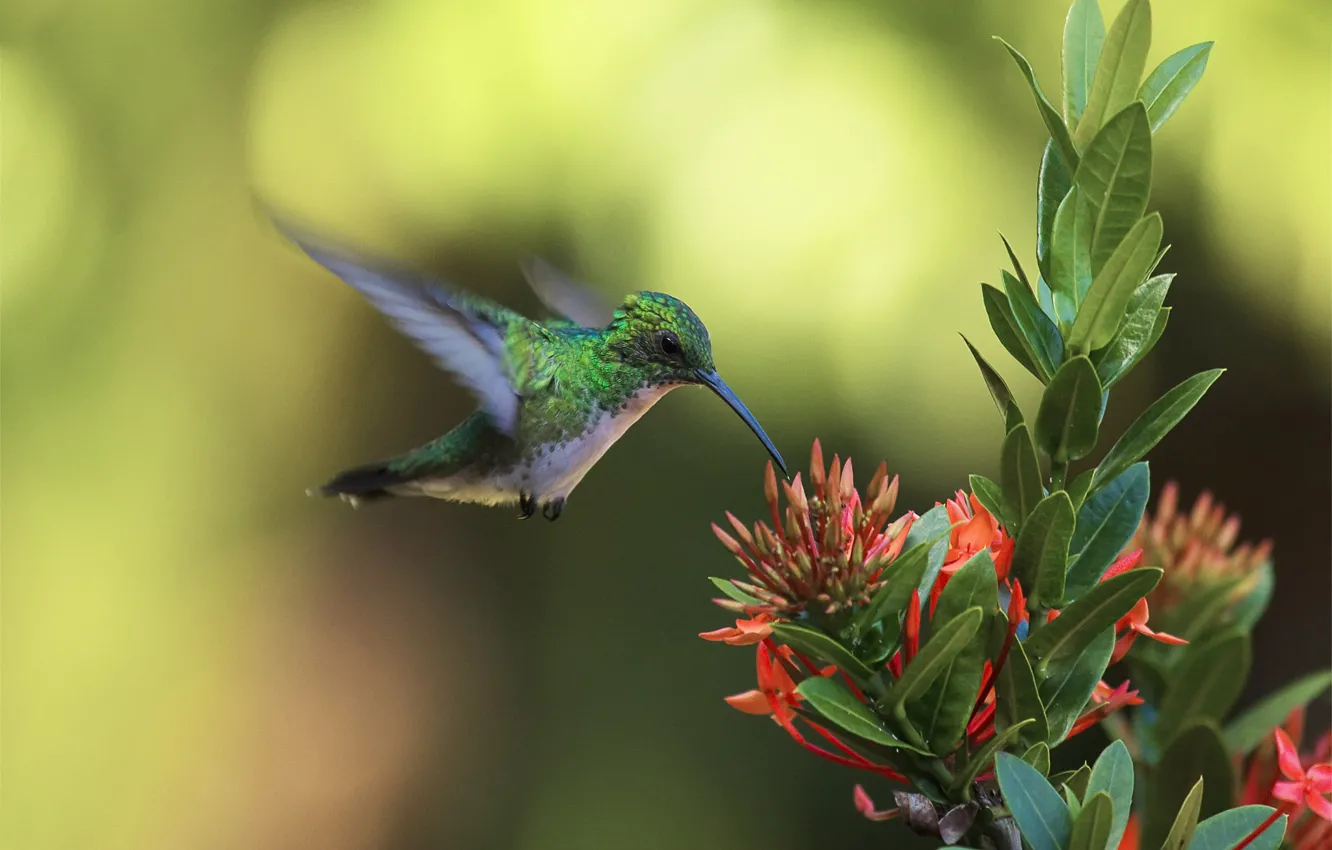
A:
(714, 382)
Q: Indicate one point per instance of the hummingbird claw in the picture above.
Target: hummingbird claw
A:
(526, 505)
(552, 509)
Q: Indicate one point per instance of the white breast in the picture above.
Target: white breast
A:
(552, 475)
(555, 474)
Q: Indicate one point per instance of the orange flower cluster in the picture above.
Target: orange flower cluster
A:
(1196, 547)
(830, 554)
(825, 552)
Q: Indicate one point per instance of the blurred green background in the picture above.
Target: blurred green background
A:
(196, 655)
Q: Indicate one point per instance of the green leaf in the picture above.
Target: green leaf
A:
(1038, 756)
(901, 577)
(1084, 33)
(1106, 522)
(1181, 831)
(1017, 698)
(1041, 553)
(1056, 179)
(1070, 412)
(941, 712)
(990, 495)
(1069, 683)
(1136, 335)
(725, 586)
(1074, 780)
(1003, 398)
(1041, 333)
(1166, 87)
(1251, 728)
(1112, 775)
(1074, 804)
(1103, 308)
(1054, 122)
(1123, 59)
(1196, 753)
(1078, 624)
(933, 659)
(1249, 610)
(1227, 829)
(1038, 809)
(1005, 327)
(1115, 179)
(1154, 423)
(1092, 829)
(932, 525)
(815, 643)
(1012, 258)
(1070, 253)
(986, 753)
(835, 702)
(1077, 491)
(1020, 474)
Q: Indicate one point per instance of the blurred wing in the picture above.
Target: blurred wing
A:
(457, 334)
(566, 296)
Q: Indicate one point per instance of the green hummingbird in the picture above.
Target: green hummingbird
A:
(554, 395)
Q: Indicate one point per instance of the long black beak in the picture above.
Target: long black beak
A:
(713, 381)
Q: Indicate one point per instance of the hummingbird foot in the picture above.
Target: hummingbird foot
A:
(526, 505)
(552, 509)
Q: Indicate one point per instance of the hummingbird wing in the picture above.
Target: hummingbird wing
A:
(565, 295)
(464, 334)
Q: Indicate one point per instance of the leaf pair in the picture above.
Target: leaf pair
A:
(1093, 821)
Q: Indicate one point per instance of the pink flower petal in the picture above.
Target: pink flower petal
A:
(1291, 792)
(1321, 805)
(864, 804)
(1319, 778)
(1288, 757)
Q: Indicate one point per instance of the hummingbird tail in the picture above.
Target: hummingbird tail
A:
(363, 483)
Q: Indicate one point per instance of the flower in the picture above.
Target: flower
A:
(1197, 548)
(865, 806)
(1105, 701)
(1134, 623)
(745, 632)
(825, 553)
(1303, 787)
(823, 557)
(1301, 795)
(974, 529)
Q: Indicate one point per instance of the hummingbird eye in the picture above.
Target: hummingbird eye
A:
(670, 344)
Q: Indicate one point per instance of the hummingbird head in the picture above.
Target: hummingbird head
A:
(659, 335)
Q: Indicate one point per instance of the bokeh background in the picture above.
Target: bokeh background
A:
(196, 655)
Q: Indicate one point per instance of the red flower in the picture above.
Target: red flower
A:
(1134, 623)
(865, 806)
(826, 555)
(1303, 788)
(745, 633)
(974, 529)
(1299, 795)
(1105, 702)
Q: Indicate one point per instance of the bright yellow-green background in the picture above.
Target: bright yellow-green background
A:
(197, 656)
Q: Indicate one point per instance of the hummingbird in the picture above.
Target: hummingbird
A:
(553, 396)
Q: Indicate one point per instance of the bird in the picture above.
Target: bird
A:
(553, 396)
